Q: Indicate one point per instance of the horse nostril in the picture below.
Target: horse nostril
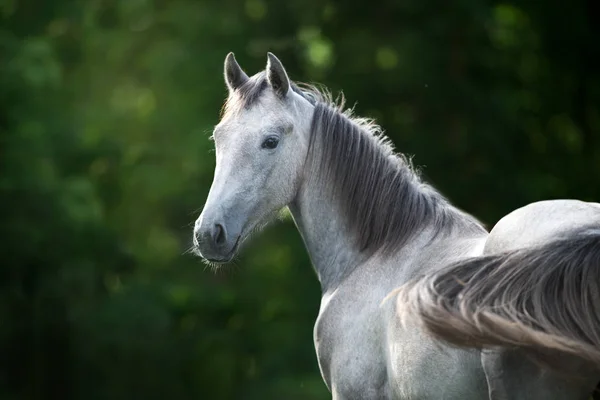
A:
(219, 234)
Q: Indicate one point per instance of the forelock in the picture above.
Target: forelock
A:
(248, 95)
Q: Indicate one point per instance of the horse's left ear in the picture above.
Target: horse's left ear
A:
(277, 76)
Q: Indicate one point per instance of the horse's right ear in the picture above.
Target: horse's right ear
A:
(234, 76)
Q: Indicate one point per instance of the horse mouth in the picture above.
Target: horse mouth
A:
(227, 258)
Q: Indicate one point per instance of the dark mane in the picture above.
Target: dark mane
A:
(381, 195)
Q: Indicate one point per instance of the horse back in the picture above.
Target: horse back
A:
(539, 222)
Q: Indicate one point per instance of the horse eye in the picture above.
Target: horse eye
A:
(270, 143)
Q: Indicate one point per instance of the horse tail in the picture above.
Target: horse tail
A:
(543, 299)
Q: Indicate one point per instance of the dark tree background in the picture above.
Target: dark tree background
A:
(106, 109)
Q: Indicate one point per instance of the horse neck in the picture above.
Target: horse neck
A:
(333, 248)
(323, 221)
(357, 200)
(330, 247)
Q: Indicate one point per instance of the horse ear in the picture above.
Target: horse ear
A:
(277, 76)
(234, 75)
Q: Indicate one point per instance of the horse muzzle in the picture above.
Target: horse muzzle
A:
(214, 241)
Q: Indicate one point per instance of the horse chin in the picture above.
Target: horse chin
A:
(219, 261)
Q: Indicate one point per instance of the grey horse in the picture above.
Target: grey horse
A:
(407, 279)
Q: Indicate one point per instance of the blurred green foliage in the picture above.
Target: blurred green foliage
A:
(106, 109)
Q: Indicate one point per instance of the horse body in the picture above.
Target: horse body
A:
(371, 226)
(364, 352)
